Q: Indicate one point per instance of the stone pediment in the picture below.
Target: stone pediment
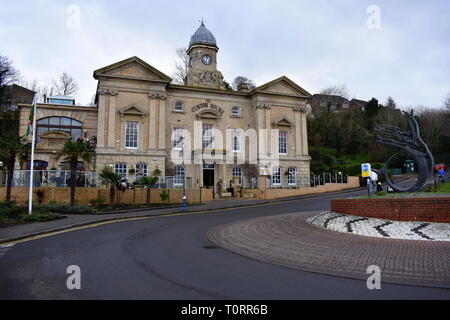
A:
(133, 109)
(209, 114)
(132, 68)
(53, 139)
(283, 86)
(284, 122)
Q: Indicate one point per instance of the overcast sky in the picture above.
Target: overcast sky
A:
(314, 43)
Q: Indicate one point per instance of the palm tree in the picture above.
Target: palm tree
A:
(148, 182)
(112, 179)
(72, 151)
(11, 147)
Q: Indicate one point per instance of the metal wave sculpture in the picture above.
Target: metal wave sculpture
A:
(413, 144)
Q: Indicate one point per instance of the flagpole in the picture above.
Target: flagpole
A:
(30, 196)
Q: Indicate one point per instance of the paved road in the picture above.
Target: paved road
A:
(170, 258)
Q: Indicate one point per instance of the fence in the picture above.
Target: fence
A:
(286, 182)
(84, 179)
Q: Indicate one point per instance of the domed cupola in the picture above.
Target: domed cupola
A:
(203, 60)
(203, 37)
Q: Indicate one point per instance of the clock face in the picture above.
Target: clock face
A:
(206, 59)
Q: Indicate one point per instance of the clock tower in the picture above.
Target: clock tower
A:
(203, 60)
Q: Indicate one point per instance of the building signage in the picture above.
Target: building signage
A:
(205, 106)
(366, 170)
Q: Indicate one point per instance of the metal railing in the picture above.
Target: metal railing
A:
(285, 182)
(84, 179)
(51, 178)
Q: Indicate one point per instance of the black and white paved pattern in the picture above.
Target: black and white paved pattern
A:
(371, 227)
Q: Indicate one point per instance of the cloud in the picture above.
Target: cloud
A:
(315, 43)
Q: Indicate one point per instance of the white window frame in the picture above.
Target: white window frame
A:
(178, 137)
(276, 176)
(129, 136)
(235, 141)
(121, 168)
(292, 176)
(179, 175)
(283, 142)
(235, 111)
(207, 144)
(144, 170)
(177, 103)
(237, 172)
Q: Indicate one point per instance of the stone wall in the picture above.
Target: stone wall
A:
(84, 195)
(431, 209)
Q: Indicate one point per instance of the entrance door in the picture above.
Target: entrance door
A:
(208, 175)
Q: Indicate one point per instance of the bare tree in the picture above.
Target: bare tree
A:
(181, 67)
(335, 95)
(42, 90)
(67, 85)
(47, 90)
(8, 74)
(340, 91)
(240, 80)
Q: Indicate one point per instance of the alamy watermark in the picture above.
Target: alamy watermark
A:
(208, 145)
(74, 280)
(374, 280)
(73, 18)
(374, 19)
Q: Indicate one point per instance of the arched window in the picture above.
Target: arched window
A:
(276, 176)
(292, 175)
(141, 170)
(121, 169)
(237, 173)
(69, 125)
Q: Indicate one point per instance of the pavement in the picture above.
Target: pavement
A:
(15, 233)
(288, 240)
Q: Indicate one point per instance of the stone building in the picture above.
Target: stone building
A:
(141, 118)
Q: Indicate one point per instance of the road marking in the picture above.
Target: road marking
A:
(4, 249)
(99, 224)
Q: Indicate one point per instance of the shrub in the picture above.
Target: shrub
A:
(164, 195)
(66, 209)
(96, 202)
(41, 217)
(9, 210)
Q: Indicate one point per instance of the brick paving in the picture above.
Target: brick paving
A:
(289, 241)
